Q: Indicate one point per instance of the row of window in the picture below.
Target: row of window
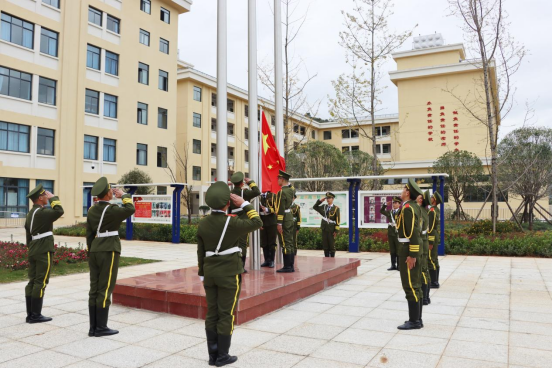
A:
(21, 32)
(380, 149)
(17, 138)
(164, 14)
(95, 16)
(18, 84)
(110, 149)
(13, 195)
(353, 133)
(144, 39)
(144, 77)
(93, 60)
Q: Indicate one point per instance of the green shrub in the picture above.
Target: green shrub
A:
(485, 227)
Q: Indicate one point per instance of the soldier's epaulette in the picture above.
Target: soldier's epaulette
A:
(231, 215)
(431, 209)
(406, 206)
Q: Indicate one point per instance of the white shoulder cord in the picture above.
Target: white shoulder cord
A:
(101, 220)
(32, 220)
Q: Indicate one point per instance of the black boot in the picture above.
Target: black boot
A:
(393, 260)
(28, 300)
(92, 318)
(332, 254)
(223, 358)
(102, 323)
(244, 263)
(265, 264)
(287, 268)
(414, 319)
(420, 313)
(36, 309)
(327, 253)
(434, 276)
(211, 346)
(425, 289)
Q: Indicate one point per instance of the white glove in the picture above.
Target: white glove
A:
(201, 278)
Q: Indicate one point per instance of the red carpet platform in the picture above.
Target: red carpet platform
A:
(180, 291)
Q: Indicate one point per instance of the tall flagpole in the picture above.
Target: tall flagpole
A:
(278, 93)
(255, 250)
(222, 144)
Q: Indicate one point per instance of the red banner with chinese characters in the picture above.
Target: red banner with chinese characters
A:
(143, 209)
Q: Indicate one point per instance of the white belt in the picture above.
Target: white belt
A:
(107, 234)
(424, 232)
(42, 235)
(287, 210)
(403, 240)
(234, 211)
(264, 213)
(391, 225)
(329, 221)
(232, 250)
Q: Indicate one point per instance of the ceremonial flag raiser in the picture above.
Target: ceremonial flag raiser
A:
(271, 160)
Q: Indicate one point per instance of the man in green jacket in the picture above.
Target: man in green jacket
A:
(285, 221)
(434, 239)
(295, 209)
(330, 224)
(220, 266)
(239, 189)
(40, 243)
(268, 233)
(424, 202)
(391, 217)
(104, 249)
(409, 237)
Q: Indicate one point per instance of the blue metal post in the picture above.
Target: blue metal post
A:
(175, 230)
(441, 249)
(128, 235)
(353, 214)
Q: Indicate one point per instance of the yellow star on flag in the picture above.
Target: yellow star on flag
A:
(265, 144)
(270, 166)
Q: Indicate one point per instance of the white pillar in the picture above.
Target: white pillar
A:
(222, 144)
(278, 79)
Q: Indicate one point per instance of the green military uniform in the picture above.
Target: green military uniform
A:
(391, 218)
(237, 179)
(296, 213)
(409, 237)
(424, 250)
(268, 233)
(104, 249)
(40, 243)
(285, 198)
(330, 224)
(434, 241)
(220, 267)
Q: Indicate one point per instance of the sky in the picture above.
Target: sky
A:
(317, 45)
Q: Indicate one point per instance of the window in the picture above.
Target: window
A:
(213, 175)
(94, 16)
(17, 31)
(246, 110)
(142, 113)
(164, 15)
(161, 157)
(230, 129)
(141, 154)
(479, 194)
(48, 185)
(350, 133)
(146, 6)
(213, 124)
(197, 93)
(144, 37)
(55, 4)
(114, 24)
(163, 82)
(143, 73)
(13, 196)
(109, 150)
(45, 141)
(384, 149)
(197, 173)
(15, 83)
(302, 130)
(230, 105)
(14, 137)
(161, 190)
(231, 153)
(345, 148)
(354, 133)
(327, 135)
(110, 106)
(213, 150)
(355, 148)
(112, 63)
(163, 46)
(48, 42)
(46, 91)
(213, 99)
(313, 134)
(91, 102)
(196, 146)
(196, 120)
(273, 120)
(383, 131)
(162, 118)
(93, 57)
(90, 147)
(246, 133)
(86, 196)
(247, 156)
(296, 128)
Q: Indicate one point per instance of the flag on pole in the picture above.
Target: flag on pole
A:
(271, 161)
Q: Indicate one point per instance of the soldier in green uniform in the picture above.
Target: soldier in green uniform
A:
(285, 221)
(296, 213)
(434, 239)
(268, 233)
(391, 217)
(40, 243)
(408, 226)
(104, 248)
(424, 201)
(237, 180)
(220, 266)
(330, 224)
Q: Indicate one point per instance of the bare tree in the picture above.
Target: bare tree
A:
(498, 56)
(368, 43)
(180, 174)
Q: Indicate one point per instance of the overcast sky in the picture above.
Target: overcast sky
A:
(317, 45)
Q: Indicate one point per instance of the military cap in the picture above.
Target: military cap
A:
(413, 187)
(100, 188)
(237, 177)
(36, 192)
(330, 194)
(217, 195)
(284, 175)
(438, 197)
(397, 199)
(426, 198)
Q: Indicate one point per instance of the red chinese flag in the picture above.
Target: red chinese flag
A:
(271, 161)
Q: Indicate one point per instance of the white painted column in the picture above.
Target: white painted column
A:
(278, 95)
(222, 144)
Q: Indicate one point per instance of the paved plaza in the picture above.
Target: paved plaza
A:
(489, 312)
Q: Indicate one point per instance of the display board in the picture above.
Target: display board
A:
(152, 209)
(371, 202)
(311, 218)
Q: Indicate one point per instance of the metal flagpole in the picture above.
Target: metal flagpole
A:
(255, 260)
(278, 95)
(222, 144)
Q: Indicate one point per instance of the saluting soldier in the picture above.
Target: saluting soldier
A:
(220, 266)
(285, 221)
(40, 243)
(409, 237)
(424, 201)
(330, 224)
(434, 239)
(104, 249)
(296, 213)
(268, 233)
(237, 180)
(391, 217)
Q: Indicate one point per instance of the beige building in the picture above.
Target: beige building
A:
(87, 88)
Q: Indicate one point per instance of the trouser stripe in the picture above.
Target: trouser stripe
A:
(410, 284)
(109, 279)
(234, 304)
(46, 276)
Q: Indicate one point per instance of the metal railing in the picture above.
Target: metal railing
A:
(503, 213)
(12, 219)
